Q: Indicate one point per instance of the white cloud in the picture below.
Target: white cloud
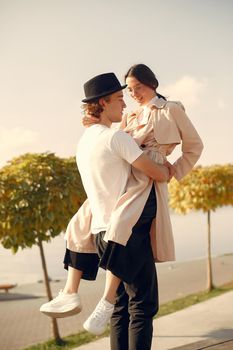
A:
(187, 89)
(221, 104)
(15, 141)
(11, 139)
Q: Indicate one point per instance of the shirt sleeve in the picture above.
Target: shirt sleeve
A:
(125, 147)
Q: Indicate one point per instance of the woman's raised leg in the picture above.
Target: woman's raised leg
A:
(67, 303)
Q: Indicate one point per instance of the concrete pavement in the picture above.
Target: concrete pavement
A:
(21, 323)
(203, 324)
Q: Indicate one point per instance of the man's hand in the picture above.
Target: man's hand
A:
(89, 120)
(171, 170)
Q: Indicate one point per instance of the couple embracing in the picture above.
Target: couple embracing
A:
(124, 225)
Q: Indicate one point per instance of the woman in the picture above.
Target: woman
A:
(158, 126)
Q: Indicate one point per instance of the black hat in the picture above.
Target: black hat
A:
(100, 86)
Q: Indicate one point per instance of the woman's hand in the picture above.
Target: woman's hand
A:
(171, 170)
(89, 120)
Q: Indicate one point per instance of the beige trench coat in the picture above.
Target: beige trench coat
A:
(164, 126)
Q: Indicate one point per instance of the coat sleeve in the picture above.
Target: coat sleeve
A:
(191, 143)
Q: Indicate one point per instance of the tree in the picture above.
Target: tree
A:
(38, 195)
(206, 189)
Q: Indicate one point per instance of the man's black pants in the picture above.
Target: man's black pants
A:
(137, 301)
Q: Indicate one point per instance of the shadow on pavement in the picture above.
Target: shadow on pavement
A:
(221, 334)
(16, 296)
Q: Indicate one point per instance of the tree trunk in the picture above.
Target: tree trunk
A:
(55, 330)
(210, 285)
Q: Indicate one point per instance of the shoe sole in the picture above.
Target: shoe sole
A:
(93, 332)
(72, 312)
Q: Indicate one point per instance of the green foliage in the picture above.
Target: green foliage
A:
(204, 188)
(38, 195)
(71, 341)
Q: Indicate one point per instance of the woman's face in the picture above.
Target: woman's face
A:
(139, 92)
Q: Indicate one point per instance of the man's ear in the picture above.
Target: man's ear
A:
(102, 102)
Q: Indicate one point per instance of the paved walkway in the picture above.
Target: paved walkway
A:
(201, 326)
(213, 344)
(22, 324)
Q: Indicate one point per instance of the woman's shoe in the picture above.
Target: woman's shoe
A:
(63, 305)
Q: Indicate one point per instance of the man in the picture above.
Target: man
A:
(104, 159)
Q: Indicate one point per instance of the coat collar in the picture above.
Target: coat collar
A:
(158, 103)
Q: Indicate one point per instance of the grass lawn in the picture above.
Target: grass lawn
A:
(84, 337)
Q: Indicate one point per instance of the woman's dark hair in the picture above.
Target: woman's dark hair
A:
(145, 75)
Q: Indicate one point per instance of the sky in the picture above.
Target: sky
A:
(50, 48)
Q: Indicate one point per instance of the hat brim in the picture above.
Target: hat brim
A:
(103, 94)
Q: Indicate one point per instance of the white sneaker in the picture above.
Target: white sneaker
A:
(62, 306)
(98, 320)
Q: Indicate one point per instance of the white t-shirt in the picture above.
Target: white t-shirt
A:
(103, 157)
